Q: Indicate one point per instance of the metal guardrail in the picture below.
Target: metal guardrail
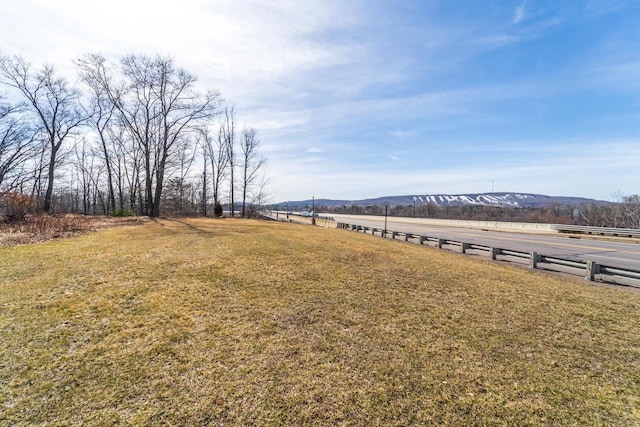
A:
(590, 270)
(601, 231)
(294, 217)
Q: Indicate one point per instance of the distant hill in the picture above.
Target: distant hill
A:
(514, 200)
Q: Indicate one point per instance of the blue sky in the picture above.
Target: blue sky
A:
(357, 99)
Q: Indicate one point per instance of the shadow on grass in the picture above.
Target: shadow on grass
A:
(211, 230)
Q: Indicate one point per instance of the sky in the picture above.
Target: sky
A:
(358, 99)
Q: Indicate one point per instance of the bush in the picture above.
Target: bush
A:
(217, 210)
(16, 206)
(122, 212)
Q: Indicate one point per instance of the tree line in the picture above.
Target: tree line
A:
(136, 137)
(623, 213)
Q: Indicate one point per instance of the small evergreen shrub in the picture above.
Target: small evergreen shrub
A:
(217, 210)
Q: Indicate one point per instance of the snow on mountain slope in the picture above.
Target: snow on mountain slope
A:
(492, 199)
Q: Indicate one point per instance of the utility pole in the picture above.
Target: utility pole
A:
(313, 210)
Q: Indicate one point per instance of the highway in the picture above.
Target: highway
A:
(612, 253)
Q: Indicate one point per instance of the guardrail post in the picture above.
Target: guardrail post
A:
(440, 243)
(406, 236)
(373, 231)
(592, 268)
(494, 253)
(393, 235)
(463, 247)
(533, 260)
(422, 239)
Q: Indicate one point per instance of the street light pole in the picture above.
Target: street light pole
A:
(313, 210)
(384, 232)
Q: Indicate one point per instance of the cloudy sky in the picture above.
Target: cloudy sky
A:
(356, 99)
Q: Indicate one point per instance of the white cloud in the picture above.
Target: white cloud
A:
(518, 15)
(401, 133)
(237, 44)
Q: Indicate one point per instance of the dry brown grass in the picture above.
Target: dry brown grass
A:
(211, 322)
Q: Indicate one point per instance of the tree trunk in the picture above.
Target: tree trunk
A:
(50, 178)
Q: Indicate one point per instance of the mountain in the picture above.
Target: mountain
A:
(514, 200)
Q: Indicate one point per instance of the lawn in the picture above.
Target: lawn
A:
(237, 322)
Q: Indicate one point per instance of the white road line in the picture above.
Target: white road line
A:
(618, 259)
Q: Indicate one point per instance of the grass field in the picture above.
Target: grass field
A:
(232, 322)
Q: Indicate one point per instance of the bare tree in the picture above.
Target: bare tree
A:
(89, 176)
(17, 146)
(120, 165)
(137, 112)
(228, 134)
(158, 104)
(216, 154)
(53, 102)
(629, 211)
(204, 188)
(185, 156)
(633, 204)
(252, 162)
(128, 168)
(100, 112)
(260, 196)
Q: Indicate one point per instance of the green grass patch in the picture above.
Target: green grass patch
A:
(210, 322)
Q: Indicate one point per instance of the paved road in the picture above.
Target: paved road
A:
(614, 254)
